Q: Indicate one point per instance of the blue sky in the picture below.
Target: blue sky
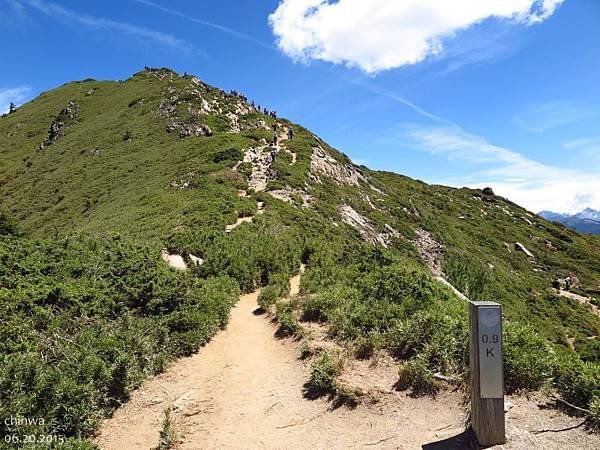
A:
(467, 93)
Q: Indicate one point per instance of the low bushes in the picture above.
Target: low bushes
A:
(278, 287)
(86, 319)
(323, 372)
(529, 361)
(415, 375)
(284, 314)
(578, 382)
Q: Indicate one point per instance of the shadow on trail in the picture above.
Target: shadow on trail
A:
(337, 398)
(462, 441)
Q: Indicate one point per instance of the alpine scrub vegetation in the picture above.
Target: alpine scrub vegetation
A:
(167, 161)
(87, 318)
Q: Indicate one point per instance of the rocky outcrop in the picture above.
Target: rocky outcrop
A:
(197, 261)
(520, 247)
(288, 193)
(366, 228)
(66, 116)
(189, 129)
(431, 251)
(322, 162)
(175, 261)
(260, 158)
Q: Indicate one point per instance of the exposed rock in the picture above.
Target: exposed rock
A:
(520, 247)
(362, 224)
(256, 125)
(288, 193)
(366, 228)
(173, 260)
(189, 129)
(196, 260)
(166, 108)
(321, 161)
(431, 251)
(261, 161)
(68, 114)
(368, 201)
(234, 122)
(488, 191)
(379, 191)
(527, 221)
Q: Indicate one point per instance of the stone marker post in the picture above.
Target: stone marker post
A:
(487, 375)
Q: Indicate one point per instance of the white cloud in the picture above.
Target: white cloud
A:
(548, 115)
(377, 35)
(144, 33)
(530, 183)
(14, 95)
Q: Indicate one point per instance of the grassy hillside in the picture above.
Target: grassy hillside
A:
(160, 159)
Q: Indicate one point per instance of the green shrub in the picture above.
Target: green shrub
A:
(595, 410)
(320, 307)
(365, 346)
(278, 287)
(416, 376)
(578, 382)
(467, 275)
(529, 361)
(284, 313)
(8, 226)
(323, 372)
(231, 155)
(168, 436)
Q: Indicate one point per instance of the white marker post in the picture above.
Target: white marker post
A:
(487, 375)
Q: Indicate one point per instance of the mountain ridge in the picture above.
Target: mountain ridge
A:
(585, 221)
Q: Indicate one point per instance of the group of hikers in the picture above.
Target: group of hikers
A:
(241, 96)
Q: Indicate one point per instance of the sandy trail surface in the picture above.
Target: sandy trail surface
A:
(245, 390)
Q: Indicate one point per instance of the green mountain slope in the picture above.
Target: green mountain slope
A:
(170, 161)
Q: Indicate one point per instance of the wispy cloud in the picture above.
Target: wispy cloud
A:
(205, 23)
(159, 37)
(396, 98)
(478, 45)
(15, 95)
(545, 116)
(588, 148)
(530, 183)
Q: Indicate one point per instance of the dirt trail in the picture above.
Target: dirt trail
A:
(260, 209)
(245, 390)
(282, 137)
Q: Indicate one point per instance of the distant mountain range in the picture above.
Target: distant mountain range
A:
(586, 221)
